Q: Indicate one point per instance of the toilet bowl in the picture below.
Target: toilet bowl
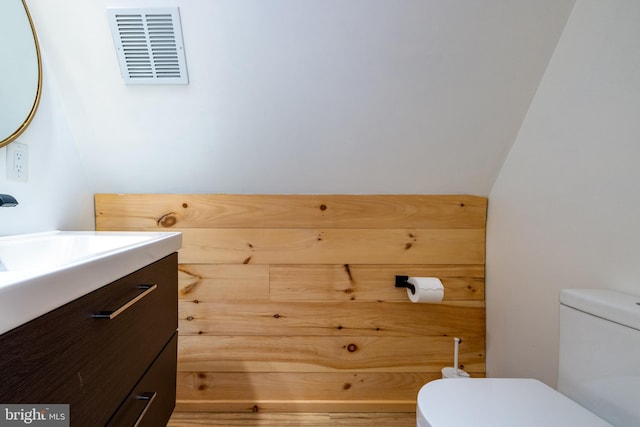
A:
(499, 402)
(598, 376)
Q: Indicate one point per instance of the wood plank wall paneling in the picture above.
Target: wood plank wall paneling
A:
(287, 302)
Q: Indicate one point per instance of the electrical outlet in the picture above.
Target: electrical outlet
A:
(18, 162)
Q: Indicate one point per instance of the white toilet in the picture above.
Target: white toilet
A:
(598, 382)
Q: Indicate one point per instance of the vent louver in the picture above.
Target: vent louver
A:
(149, 45)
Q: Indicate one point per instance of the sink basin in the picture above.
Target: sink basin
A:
(42, 271)
(47, 250)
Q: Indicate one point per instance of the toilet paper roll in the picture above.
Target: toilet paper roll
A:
(428, 290)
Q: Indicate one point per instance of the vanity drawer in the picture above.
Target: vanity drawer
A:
(152, 400)
(128, 343)
(70, 356)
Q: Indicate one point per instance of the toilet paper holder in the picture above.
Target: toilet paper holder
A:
(402, 282)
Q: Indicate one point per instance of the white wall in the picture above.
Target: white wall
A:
(285, 96)
(307, 96)
(56, 195)
(565, 209)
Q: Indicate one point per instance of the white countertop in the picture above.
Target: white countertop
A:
(42, 271)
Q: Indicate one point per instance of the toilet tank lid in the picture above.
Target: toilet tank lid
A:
(605, 303)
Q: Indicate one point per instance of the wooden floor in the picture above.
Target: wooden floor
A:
(200, 419)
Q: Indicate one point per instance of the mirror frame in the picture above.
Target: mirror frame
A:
(36, 101)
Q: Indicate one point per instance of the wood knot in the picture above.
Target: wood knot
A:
(184, 205)
(255, 408)
(167, 220)
(276, 316)
(348, 270)
(194, 281)
(346, 386)
(410, 244)
(203, 377)
(351, 348)
(323, 207)
(189, 318)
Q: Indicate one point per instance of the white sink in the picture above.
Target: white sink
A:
(42, 271)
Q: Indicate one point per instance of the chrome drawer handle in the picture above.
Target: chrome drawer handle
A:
(147, 289)
(149, 397)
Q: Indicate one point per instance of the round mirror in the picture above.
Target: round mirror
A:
(21, 73)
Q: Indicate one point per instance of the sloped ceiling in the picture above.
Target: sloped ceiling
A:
(306, 96)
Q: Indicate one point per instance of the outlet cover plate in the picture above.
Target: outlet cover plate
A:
(18, 162)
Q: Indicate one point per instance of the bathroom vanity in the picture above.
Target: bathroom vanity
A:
(111, 353)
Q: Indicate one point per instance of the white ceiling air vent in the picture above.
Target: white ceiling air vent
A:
(149, 45)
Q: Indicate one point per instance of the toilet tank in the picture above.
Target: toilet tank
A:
(599, 363)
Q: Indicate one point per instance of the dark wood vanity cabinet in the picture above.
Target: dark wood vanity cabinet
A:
(110, 355)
